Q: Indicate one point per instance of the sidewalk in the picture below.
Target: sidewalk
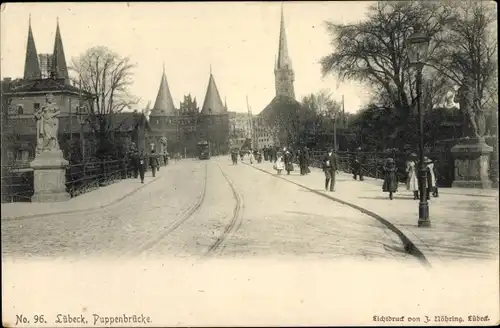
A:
(463, 226)
(99, 198)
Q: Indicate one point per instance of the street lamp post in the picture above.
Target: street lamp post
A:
(417, 46)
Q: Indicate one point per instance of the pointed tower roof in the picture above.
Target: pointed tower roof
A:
(212, 105)
(283, 60)
(59, 68)
(31, 64)
(164, 104)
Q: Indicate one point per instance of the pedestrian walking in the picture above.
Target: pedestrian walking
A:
(411, 170)
(142, 165)
(355, 167)
(136, 163)
(302, 162)
(431, 179)
(288, 158)
(153, 163)
(330, 168)
(307, 160)
(279, 165)
(390, 178)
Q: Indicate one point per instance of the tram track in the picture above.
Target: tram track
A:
(234, 224)
(184, 216)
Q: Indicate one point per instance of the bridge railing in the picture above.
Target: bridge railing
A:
(17, 181)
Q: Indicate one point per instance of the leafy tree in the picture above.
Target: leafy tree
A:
(374, 52)
(318, 111)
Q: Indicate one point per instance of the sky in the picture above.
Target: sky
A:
(237, 40)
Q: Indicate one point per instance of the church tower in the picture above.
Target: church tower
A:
(31, 64)
(59, 67)
(214, 119)
(283, 71)
(163, 115)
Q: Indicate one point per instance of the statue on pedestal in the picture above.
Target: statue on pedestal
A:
(474, 123)
(47, 126)
(472, 154)
(49, 174)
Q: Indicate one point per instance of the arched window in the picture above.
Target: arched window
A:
(20, 109)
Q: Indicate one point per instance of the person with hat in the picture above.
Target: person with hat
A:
(411, 170)
(288, 158)
(431, 179)
(330, 168)
(390, 178)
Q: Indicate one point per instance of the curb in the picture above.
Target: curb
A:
(31, 216)
(409, 246)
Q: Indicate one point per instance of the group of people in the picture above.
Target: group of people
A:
(284, 159)
(139, 161)
(253, 155)
(390, 184)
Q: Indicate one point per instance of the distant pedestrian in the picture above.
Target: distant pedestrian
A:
(142, 165)
(431, 179)
(251, 156)
(302, 162)
(279, 165)
(288, 158)
(153, 162)
(307, 160)
(330, 168)
(411, 170)
(136, 163)
(390, 178)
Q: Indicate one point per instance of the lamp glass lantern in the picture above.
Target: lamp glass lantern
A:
(418, 47)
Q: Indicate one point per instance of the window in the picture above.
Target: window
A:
(36, 107)
(157, 122)
(20, 109)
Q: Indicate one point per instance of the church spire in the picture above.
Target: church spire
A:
(164, 104)
(59, 68)
(284, 60)
(212, 105)
(283, 71)
(31, 64)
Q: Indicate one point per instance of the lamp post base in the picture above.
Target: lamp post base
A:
(423, 215)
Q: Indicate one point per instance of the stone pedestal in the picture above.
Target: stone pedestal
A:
(49, 176)
(472, 162)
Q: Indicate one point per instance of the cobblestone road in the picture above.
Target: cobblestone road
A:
(248, 214)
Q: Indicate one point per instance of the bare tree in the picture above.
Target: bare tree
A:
(107, 76)
(468, 55)
(374, 51)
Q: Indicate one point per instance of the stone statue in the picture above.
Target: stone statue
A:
(474, 123)
(47, 126)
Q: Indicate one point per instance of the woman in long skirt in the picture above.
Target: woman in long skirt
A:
(412, 182)
(431, 178)
(390, 179)
(279, 165)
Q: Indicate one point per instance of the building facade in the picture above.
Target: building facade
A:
(21, 98)
(183, 127)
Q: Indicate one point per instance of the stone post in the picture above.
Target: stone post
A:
(472, 162)
(49, 175)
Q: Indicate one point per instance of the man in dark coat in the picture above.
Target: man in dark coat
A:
(307, 159)
(135, 163)
(153, 162)
(330, 168)
(142, 164)
(302, 162)
(288, 161)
